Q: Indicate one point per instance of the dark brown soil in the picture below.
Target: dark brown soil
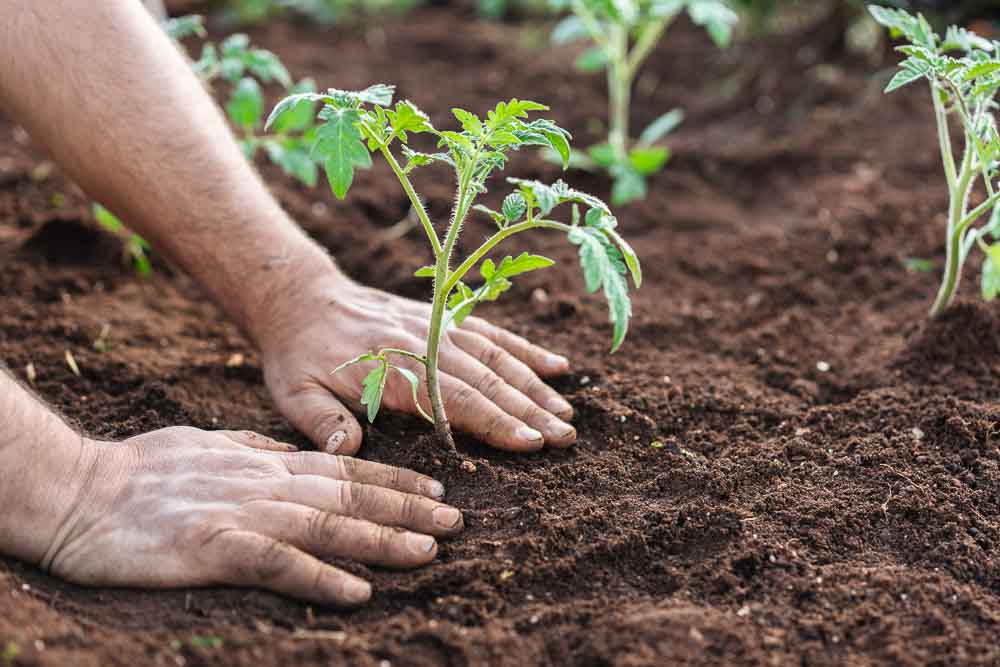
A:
(791, 517)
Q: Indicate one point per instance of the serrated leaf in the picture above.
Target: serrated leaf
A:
(339, 144)
(916, 29)
(379, 94)
(470, 121)
(514, 207)
(299, 117)
(505, 112)
(246, 105)
(661, 127)
(425, 272)
(648, 160)
(267, 67)
(523, 263)
(911, 70)
(603, 266)
(408, 118)
(373, 389)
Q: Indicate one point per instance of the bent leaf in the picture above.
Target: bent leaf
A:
(414, 381)
(339, 144)
(373, 389)
(603, 267)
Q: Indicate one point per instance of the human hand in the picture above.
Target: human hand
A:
(490, 378)
(184, 507)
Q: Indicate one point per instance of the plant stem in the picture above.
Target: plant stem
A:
(957, 224)
(418, 205)
(619, 91)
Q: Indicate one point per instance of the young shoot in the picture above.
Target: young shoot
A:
(356, 124)
(623, 34)
(963, 72)
(136, 249)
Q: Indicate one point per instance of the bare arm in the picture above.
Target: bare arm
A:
(101, 86)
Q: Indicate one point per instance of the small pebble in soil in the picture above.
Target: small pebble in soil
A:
(744, 611)
(539, 295)
(666, 379)
(235, 361)
(823, 366)
(917, 433)
(585, 380)
(468, 466)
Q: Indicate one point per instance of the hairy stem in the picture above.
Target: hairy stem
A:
(944, 139)
(956, 226)
(418, 205)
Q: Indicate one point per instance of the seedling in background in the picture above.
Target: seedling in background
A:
(624, 33)
(356, 124)
(963, 71)
(244, 68)
(136, 248)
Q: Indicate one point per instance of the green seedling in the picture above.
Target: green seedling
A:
(963, 72)
(136, 248)
(624, 33)
(326, 12)
(243, 68)
(357, 124)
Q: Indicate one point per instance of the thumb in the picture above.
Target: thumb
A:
(316, 412)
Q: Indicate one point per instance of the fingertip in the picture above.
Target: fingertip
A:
(432, 488)
(354, 591)
(560, 407)
(345, 440)
(554, 364)
(566, 439)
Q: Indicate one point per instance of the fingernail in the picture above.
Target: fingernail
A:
(558, 406)
(556, 362)
(447, 517)
(561, 429)
(528, 433)
(433, 488)
(334, 442)
(357, 590)
(420, 544)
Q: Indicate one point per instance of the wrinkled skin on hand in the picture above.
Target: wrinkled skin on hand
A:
(184, 507)
(491, 379)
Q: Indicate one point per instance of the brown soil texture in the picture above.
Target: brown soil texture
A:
(787, 516)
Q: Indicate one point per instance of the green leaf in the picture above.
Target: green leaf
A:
(408, 118)
(461, 303)
(373, 389)
(648, 160)
(339, 144)
(916, 29)
(107, 219)
(246, 105)
(628, 186)
(505, 112)
(991, 271)
(367, 356)
(592, 60)
(910, 70)
(661, 127)
(290, 104)
(603, 267)
(379, 94)
(514, 207)
(560, 145)
(294, 160)
(470, 122)
(603, 155)
(716, 17)
(510, 266)
(570, 29)
(631, 258)
(300, 116)
(918, 265)
(182, 27)
(425, 272)
(267, 67)
(960, 39)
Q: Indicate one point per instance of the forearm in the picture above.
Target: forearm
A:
(105, 91)
(40, 457)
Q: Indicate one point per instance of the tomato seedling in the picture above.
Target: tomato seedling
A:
(624, 33)
(963, 71)
(135, 247)
(356, 124)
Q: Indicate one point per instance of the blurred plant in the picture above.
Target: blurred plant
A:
(135, 248)
(624, 33)
(243, 68)
(964, 87)
(326, 12)
(356, 124)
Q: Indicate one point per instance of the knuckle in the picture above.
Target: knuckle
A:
(490, 355)
(384, 540)
(393, 476)
(408, 508)
(494, 424)
(274, 560)
(323, 527)
(347, 467)
(464, 398)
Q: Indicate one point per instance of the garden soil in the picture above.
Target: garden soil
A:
(786, 464)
